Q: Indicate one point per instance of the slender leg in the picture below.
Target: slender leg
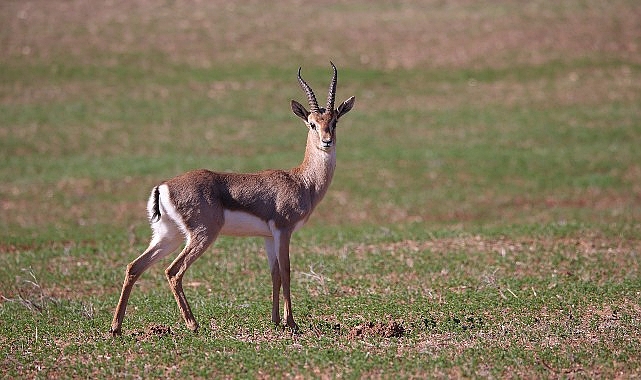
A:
(196, 246)
(161, 245)
(283, 262)
(275, 273)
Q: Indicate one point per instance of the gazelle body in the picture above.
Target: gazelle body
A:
(198, 206)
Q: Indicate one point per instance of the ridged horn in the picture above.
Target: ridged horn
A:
(332, 89)
(313, 104)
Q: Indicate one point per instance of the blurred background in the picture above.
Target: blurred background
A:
(468, 113)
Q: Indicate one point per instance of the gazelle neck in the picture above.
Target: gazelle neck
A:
(317, 168)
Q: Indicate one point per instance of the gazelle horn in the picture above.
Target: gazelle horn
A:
(313, 104)
(332, 90)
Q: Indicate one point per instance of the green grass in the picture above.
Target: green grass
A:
(483, 220)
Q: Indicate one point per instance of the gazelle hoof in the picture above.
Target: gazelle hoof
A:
(115, 332)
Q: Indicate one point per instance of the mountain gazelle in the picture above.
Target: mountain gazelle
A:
(197, 206)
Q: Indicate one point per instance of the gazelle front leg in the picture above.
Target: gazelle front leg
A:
(283, 263)
(272, 258)
(281, 239)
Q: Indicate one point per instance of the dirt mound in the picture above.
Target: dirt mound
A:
(391, 329)
(152, 331)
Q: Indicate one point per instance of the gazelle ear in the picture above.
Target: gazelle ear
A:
(299, 110)
(345, 107)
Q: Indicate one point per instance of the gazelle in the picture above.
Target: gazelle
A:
(199, 205)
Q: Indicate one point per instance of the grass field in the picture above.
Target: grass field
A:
(484, 220)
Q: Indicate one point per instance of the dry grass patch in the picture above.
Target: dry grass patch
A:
(406, 35)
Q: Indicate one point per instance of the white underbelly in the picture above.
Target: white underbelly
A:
(239, 223)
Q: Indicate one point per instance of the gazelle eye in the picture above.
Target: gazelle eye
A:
(312, 126)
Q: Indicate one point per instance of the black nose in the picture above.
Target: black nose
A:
(327, 143)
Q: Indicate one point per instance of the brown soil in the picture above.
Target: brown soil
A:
(151, 332)
(390, 329)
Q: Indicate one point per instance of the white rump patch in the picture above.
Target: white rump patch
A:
(169, 216)
(239, 223)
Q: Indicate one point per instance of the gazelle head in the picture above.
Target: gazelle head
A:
(322, 121)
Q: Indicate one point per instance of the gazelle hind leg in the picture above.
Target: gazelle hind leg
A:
(196, 246)
(167, 239)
